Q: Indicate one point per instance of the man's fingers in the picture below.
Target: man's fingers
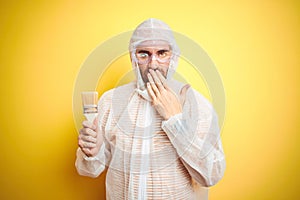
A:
(150, 78)
(88, 132)
(87, 124)
(90, 151)
(87, 138)
(150, 91)
(156, 79)
(86, 151)
(95, 122)
(152, 84)
(83, 144)
(162, 79)
(183, 91)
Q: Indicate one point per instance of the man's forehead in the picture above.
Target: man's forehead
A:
(153, 44)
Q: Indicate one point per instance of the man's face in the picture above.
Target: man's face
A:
(156, 57)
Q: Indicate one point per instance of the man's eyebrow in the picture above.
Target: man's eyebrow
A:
(163, 50)
(143, 51)
(148, 52)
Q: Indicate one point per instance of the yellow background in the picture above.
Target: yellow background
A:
(254, 44)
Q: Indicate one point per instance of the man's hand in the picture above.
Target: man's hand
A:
(164, 99)
(90, 139)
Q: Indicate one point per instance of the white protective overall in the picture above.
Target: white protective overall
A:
(147, 157)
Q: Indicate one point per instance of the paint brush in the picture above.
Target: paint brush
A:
(89, 103)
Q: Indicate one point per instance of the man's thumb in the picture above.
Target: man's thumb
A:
(95, 122)
(183, 91)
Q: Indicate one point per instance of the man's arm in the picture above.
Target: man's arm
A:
(94, 153)
(193, 130)
(199, 146)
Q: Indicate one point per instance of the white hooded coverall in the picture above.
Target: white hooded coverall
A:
(147, 157)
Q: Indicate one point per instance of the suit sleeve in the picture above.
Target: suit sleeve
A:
(195, 135)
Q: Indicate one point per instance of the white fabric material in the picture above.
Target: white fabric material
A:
(148, 158)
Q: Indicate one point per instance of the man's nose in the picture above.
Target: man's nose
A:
(153, 64)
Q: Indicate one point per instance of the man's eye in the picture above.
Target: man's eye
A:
(143, 55)
(162, 54)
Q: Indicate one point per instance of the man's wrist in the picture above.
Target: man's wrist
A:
(173, 119)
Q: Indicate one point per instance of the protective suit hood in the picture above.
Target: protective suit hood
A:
(152, 32)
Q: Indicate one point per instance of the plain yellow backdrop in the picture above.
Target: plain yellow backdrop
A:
(254, 44)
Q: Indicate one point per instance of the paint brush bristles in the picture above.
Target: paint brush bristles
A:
(89, 102)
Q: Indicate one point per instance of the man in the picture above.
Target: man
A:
(156, 136)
